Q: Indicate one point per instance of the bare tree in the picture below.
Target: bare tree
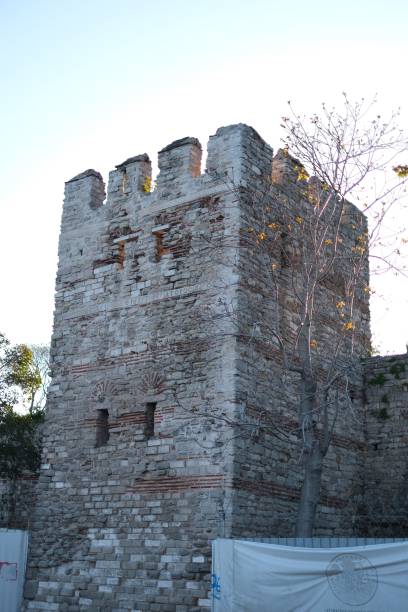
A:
(313, 246)
(351, 155)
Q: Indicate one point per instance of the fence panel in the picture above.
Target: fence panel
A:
(13, 556)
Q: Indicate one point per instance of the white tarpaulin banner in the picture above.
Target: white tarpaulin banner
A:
(255, 577)
(13, 552)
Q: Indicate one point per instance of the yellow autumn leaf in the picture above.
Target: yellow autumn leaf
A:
(401, 171)
(302, 174)
(147, 184)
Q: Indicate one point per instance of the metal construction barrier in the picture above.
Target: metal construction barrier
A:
(13, 557)
(250, 576)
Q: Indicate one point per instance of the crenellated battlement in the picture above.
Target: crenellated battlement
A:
(236, 155)
(130, 177)
(88, 187)
(179, 162)
(237, 158)
(101, 236)
(138, 221)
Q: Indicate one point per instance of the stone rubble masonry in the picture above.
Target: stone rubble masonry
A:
(141, 469)
(384, 510)
(17, 499)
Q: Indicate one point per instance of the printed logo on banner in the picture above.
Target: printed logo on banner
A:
(352, 578)
(215, 586)
(8, 571)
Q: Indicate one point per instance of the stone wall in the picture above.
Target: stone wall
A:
(267, 467)
(17, 500)
(126, 515)
(384, 511)
(159, 364)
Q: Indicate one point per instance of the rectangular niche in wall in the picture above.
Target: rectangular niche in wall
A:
(102, 427)
(149, 420)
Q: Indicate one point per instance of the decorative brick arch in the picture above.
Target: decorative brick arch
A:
(103, 390)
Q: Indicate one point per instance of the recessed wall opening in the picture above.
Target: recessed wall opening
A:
(124, 181)
(102, 427)
(149, 420)
(160, 248)
(121, 254)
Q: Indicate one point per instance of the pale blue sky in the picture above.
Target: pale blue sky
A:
(89, 83)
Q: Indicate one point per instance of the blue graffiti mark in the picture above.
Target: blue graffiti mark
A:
(215, 586)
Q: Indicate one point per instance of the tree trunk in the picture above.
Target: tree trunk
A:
(310, 493)
(313, 459)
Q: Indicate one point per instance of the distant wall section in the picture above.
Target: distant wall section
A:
(17, 499)
(385, 508)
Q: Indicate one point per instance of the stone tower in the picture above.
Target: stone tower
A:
(155, 358)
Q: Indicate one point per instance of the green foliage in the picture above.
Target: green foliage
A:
(20, 379)
(382, 414)
(20, 376)
(20, 443)
(397, 369)
(41, 357)
(21, 373)
(380, 380)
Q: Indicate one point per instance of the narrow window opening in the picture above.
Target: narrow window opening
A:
(102, 427)
(149, 420)
(159, 245)
(125, 179)
(121, 254)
